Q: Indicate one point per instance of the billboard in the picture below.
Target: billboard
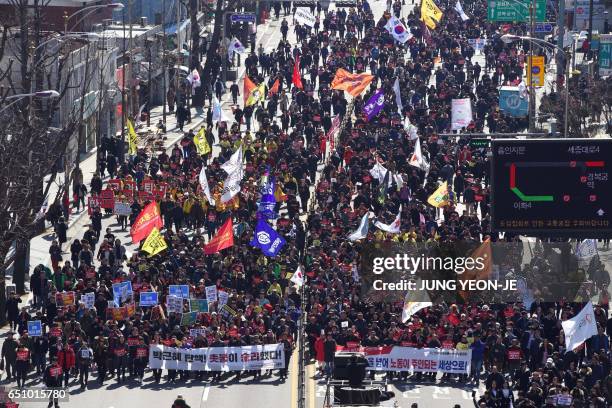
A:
(552, 187)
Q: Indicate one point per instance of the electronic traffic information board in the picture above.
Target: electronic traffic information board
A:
(552, 186)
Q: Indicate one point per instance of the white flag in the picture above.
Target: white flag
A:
(194, 79)
(411, 308)
(234, 162)
(362, 230)
(305, 17)
(397, 29)
(411, 129)
(394, 227)
(217, 112)
(235, 173)
(298, 277)
(231, 185)
(461, 113)
(205, 187)
(378, 172)
(235, 45)
(398, 96)
(417, 159)
(586, 248)
(580, 328)
(459, 9)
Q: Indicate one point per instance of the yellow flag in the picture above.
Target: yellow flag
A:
(258, 94)
(132, 139)
(440, 197)
(200, 142)
(154, 243)
(430, 13)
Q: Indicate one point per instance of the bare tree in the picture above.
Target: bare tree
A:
(30, 146)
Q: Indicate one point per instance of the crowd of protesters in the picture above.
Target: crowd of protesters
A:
(323, 190)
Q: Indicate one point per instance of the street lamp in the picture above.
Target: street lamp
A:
(51, 94)
(508, 38)
(91, 9)
(85, 36)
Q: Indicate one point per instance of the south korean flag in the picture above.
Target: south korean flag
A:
(397, 29)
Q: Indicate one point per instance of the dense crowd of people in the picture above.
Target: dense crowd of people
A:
(323, 188)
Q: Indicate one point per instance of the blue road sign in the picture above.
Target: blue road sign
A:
(242, 18)
(543, 27)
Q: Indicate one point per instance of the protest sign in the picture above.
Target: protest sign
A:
(258, 357)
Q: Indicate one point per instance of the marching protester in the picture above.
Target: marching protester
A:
(340, 139)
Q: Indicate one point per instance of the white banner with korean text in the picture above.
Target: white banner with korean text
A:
(425, 360)
(259, 357)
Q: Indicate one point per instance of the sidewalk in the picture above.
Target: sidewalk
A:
(77, 222)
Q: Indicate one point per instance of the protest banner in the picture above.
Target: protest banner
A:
(181, 291)
(122, 292)
(187, 319)
(414, 360)
(223, 297)
(35, 328)
(211, 294)
(89, 299)
(122, 208)
(193, 333)
(174, 304)
(198, 305)
(65, 298)
(107, 199)
(305, 17)
(461, 113)
(258, 357)
(148, 298)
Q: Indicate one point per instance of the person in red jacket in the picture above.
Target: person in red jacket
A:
(318, 346)
(66, 358)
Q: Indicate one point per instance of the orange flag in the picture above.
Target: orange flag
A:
(274, 89)
(351, 83)
(297, 79)
(148, 219)
(248, 88)
(223, 239)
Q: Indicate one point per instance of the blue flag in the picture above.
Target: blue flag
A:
(267, 203)
(269, 241)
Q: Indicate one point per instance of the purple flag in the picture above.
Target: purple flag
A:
(375, 104)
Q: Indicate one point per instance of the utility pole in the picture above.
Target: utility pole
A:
(179, 48)
(130, 45)
(149, 102)
(560, 43)
(532, 96)
(101, 93)
(165, 70)
(590, 32)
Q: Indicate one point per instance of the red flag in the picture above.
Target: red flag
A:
(223, 239)
(274, 89)
(248, 88)
(148, 219)
(297, 79)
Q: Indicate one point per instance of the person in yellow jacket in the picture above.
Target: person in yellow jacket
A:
(275, 287)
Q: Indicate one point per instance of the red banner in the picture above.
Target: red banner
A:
(107, 199)
(223, 239)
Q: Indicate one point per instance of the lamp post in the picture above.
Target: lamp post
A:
(89, 9)
(41, 94)
(508, 38)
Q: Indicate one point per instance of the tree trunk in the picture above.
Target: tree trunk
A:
(210, 71)
(197, 99)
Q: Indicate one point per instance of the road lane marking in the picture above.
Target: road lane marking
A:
(205, 393)
(293, 372)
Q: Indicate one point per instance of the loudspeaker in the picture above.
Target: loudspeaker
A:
(341, 361)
